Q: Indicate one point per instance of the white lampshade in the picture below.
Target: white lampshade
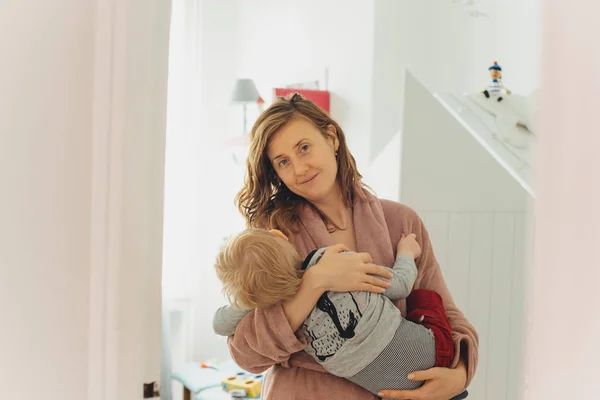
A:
(244, 91)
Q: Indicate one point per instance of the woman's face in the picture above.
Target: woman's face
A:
(304, 159)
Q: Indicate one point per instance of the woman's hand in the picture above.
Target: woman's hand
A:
(440, 384)
(347, 272)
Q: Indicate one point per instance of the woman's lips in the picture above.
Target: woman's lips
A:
(310, 179)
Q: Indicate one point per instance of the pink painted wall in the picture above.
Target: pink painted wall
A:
(564, 325)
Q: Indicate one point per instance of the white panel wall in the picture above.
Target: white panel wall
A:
(482, 259)
(477, 218)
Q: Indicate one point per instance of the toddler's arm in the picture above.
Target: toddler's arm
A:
(226, 320)
(403, 279)
(405, 269)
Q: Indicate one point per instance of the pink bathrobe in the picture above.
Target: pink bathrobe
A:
(265, 340)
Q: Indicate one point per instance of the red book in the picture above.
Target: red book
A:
(319, 97)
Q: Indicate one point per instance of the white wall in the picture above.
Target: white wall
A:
(388, 57)
(444, 167)
(46, 83)
(201, 177)
(282, 41)
(476, 213)
(478, 220)
(384, 172)
(203, 60)
(364, 45)
(274, 43)
(450, 51)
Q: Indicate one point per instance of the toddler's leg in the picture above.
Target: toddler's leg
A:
(411, 349)
(426, 307)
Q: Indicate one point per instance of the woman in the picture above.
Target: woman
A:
(302, 180)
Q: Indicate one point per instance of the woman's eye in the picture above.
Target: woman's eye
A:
(282, 163)
(304, 148)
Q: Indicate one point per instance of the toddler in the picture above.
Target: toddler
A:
(360, 336)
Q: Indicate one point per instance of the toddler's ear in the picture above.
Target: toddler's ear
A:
(277, 232)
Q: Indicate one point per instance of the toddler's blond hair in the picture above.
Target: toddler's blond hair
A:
(258, 269)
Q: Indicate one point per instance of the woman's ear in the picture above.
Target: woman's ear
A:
(333, 134)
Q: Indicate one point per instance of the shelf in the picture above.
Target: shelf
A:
(480, 124)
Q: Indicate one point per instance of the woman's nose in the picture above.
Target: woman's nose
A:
(300, 168)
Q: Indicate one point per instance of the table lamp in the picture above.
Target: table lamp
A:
(244, 92)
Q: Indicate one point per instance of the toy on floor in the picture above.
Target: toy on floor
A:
(496, 89)
(205, 381)
(250, 383)
(238, 394)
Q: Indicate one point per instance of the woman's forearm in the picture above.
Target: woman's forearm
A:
(298, 308)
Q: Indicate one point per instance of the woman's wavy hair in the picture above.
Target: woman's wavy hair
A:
(265, 201)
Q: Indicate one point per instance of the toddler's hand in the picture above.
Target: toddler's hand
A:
(408, 246)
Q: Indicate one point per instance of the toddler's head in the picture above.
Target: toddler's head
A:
(258, 268)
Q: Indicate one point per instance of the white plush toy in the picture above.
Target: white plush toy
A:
(513, 113)
(513, 117)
